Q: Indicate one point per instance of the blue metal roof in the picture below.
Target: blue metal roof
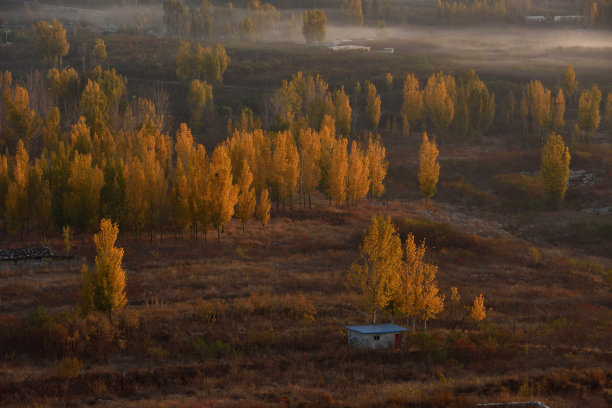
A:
(377, 328)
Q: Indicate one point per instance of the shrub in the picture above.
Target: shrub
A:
(69, 368)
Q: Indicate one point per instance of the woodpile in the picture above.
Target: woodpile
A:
(25, 254)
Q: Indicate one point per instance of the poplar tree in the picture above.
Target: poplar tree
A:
(378, 166)
(412, 105)
(338, 172)
(439, 95)
(94, 106)
(372, 107)
(246, 197)
(374, 276)
(314, 26)
(588, 110)
(83, 200)
(559, 112)
(16, 210)
(540, 106)
(555, 169)
(20, 122)
(200, 99)
(310, 154)
(358, 174)
(570, 84)
(50, 41)
(478, 311)
(98, 53)
(263, 208)
(342, 112)
(223, 193)
(108, 279)
(429, 168)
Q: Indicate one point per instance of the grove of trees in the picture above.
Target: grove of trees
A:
(389, 278)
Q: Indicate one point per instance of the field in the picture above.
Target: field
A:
(257, 319)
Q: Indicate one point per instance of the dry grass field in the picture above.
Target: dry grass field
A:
(257, 319)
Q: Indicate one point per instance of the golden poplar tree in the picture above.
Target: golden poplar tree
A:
(94, 106)
(374, 276)
(39, 197)
(200, 99)
(16, 211)
(412, 105)
(570, 84)
(338, 172)
(358, 180)
(588, 110)
(98, 54)
(439, 95)
(478, 310)
(83, 200)
(417, 293)
(51, 130)
(409, 296)
(50, 41)
(540, 106)
(223, 193)
(429, 168)
(310, 154)
(20, 122)
(342, 111)
(559, 112)
(246, 197)
(372, 107)
(108, 279)
(378, 166)
(263, 208)
(80, 137)
(136, 200)
(555, 169)
(433, 301)
(285, 167)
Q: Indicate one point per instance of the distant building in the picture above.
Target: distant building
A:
(535, 19)
(349, 48)
(387, 50)
(568, 19)
(376, 336)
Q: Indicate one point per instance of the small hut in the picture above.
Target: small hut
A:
(375, 336)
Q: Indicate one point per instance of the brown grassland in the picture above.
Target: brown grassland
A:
(256, 320)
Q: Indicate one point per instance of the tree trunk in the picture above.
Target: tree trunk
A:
(374, 316)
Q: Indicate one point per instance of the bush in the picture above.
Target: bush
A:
(69, 368)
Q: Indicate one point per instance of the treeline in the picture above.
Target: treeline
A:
(483, 10)
(539, 111)
(225, 21)
(458, 110)
(116, 161)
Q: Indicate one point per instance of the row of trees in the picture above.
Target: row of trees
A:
(483, 10)
(121, 165)
(541, 112)
(223, 20)
(400, 282)
(464, 107)
(306, 100)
